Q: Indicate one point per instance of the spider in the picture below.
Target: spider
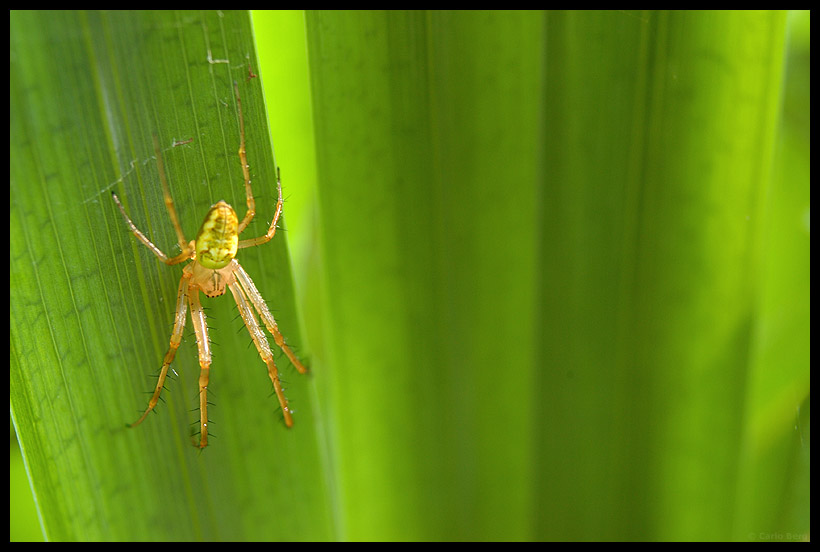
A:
(212, 269)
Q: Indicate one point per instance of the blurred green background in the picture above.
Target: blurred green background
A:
(550, 271)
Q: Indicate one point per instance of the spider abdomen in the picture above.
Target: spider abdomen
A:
(218, 237)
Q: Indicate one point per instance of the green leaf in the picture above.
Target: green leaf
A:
(427, 188)
(551, 288)
(541, 246)
(91, 308)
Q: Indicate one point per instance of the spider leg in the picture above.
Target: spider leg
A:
(265, 314)
(204, 346)
(169, 205)
(185, 255)
(262, 346)
(272, 229)
(246, 170)
(176, 337)
(169, 201)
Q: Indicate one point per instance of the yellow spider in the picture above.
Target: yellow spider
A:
(211, 270)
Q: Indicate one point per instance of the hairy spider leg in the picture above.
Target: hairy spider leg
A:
(176, 338)
(265, 314)
(262, 347)
(204, 346)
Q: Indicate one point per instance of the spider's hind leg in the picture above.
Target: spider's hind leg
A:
(262, 347)
(267, 318)
(204, 347)
(176, 338)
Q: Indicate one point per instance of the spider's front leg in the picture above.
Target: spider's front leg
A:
(176, 338)
(185, 247)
